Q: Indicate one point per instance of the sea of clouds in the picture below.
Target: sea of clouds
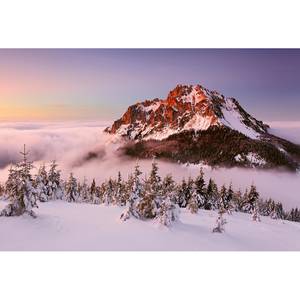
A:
(84, 149)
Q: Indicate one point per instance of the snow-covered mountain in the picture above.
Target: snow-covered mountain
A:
(185, 108)
(195, 124)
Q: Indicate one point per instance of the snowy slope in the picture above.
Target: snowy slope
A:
(64, 226)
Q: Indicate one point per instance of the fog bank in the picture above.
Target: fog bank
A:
(84, 149)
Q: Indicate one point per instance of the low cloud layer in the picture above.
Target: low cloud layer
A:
(84, 149)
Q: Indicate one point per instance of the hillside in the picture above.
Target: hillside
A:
(70, 226)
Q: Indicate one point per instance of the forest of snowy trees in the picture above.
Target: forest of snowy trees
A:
(143, 197)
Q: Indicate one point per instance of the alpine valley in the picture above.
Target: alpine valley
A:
(196, 125)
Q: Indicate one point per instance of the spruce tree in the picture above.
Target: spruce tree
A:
(41, 184)
(212, 194)
(20, 190)
(84, 191)
(135, 192)
(199, 193)
(182, 194)
(168, 212)
(108, 195)
(193, 205)
(54, 182)
(220, 222)
(72, 189)
(151, 200)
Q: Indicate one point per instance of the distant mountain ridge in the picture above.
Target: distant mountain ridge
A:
(194, 124)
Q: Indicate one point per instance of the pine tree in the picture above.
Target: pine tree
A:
(253, 196)
(155, 185)
(109, 192)
(151, 200)
(223, 198)
(212, 194)
(237, 201)
(119, 191)
(54, 182)
(84, 191)
(168, 212)
(229, 199)
(19, 187)
(135, 192)
(147, 207)
(220, 222)
(41, 184)
(199, 193)
(72, 189)
(94, 199)
(193, 205)
(182, 194)
(168, 185)
(255, 213)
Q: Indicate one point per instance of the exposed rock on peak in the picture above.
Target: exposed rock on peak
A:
(187, 107)
(194, 124)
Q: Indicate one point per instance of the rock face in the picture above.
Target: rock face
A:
(194, 124)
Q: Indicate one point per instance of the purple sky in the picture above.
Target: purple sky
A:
(101, 83)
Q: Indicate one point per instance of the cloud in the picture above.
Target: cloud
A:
(84, 149)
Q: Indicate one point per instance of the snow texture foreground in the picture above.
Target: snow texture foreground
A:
(71, 226)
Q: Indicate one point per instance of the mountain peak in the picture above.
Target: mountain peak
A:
(186, 108)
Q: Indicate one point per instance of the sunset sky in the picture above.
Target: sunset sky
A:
(94, 84)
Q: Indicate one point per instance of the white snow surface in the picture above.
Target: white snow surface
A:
(233, 120)
(198, 122)
(69, 226)
(252, 158)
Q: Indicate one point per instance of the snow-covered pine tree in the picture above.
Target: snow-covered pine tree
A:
(151, 200)
(134, 198)
(84, 191)
(221, 221)
(41, 184)
(193, 205)
(255, 213)
(182, 194)
(108, 196)
(72, 189)
(147, 207)
(2, 191)
(253, 198)
(93, 193)
(169, 187)
(199, 193)
(226, 196)
(119, 197)
(19, 187)
(223, 197)
(155, 184)
(237, 201)
(229, 200)
(168, 212)
(168, 184)
(54, 182)
(212, 194)
(245, 205)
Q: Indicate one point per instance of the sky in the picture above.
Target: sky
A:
(99, 84)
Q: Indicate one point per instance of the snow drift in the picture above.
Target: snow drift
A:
(69, 226)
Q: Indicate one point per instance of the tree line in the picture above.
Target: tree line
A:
(150, 197)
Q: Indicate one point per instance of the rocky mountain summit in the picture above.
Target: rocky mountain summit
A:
(194, 124)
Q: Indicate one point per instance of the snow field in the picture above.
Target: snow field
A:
(76, 226)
